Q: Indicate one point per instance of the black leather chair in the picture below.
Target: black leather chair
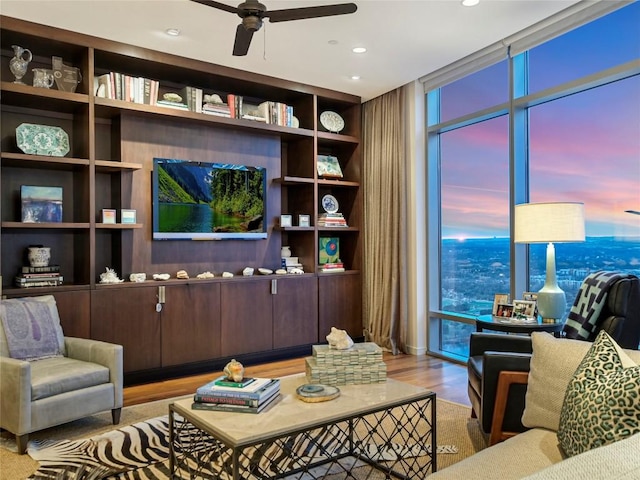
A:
(496, 389)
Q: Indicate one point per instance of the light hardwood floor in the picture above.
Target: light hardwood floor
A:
(447, 379)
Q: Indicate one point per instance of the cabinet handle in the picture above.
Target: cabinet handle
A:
(274, 287)
(161, 295)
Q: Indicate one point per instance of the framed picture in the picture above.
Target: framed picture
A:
(499, 298)
(304, 221)
(328, 166)
(127, 216)
(286, 221)
(108, 215)
(41, 204)
(524, 308)
(504, 310)
(329, 250)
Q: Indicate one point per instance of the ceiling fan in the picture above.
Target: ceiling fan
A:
(635, 212)
(252, 12)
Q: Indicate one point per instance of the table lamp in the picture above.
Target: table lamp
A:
(550, 223)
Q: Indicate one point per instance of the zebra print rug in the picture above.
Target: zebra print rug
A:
(141, 452)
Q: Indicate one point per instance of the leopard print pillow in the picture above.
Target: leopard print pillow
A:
(602, 402)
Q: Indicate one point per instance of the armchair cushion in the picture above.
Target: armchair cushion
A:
(553, 364)
(31, 328)
(54, 376)
(602, 402)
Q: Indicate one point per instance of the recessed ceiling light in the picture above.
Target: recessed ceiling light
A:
(470, 3)
(174, 32)
(359, 50)
(355, 77)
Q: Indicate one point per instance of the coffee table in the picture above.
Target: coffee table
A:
(387, 426)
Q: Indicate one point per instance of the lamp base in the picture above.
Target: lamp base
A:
(552, 304)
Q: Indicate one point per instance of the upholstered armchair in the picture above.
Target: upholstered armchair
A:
(48, 379)
(498, 364)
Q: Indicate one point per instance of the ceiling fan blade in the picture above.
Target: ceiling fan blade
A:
(218, 5)
(310, 12)
(243, 40)
(635, 212)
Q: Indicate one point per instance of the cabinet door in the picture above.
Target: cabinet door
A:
(246, 317)
(127, 316)
(191, 323)
(340, 304)
(295, 312)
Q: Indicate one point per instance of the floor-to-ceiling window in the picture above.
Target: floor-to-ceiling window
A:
(559, 121)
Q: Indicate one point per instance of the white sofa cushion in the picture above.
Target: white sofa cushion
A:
(618, 461)
(602, 402)
(553, 364)
(515, 458)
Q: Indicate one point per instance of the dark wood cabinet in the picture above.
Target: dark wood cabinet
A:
(339, 304)
(190, 323)
(246, 310)
(128, 316)
(112, 144)
(295, 311)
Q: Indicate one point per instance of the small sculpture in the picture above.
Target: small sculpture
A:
(213, 98)
(206, 274)
(281, 271)
(247, 272)
(265, 271)
(137, 277)
(227, 275)
(339, 339)
(161, 276)
(182, 274)
(234, 371)
(296, 271)
(110, 276)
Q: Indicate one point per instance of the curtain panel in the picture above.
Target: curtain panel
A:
(385, 213)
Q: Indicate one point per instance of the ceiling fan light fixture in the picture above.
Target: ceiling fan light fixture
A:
(470, 3)
(358, 49)
(355, 77)
(172, 32)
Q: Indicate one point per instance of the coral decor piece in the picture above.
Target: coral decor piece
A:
(248, 272)
(227, 275)
(206, 274)
(234, 371)
(161, 276)
(281, 271)
(110, 276)
(339, 339)
(137, 277)
(182, 274)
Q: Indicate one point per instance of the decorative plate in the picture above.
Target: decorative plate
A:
(314, 393)
(330, 204)
(331, 121)
(42, 140)
(295, 123)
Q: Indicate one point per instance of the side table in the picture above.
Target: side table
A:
(514, 325)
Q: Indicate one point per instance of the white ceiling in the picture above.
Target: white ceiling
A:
(406, 39)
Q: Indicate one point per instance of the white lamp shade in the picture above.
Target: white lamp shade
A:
(549, 222)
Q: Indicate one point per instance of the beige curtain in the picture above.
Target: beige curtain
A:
(385, 205)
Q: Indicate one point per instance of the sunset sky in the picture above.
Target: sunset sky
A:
(583, 148)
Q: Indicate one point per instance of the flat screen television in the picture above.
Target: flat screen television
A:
(208, 201)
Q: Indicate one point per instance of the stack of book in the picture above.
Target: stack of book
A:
(332, 220)
(39, 276)
(251, 395)
(332, 267)
(360, 364)
(219, 109)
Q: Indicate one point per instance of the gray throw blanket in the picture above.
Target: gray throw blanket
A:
(585, 313)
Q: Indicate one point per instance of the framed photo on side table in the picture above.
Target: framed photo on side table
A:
(524, 308)
(127, 216)
(286, 221)
(304, 221)
(499, 298)
(108, 215)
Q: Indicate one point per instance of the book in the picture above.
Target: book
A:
(44, 275)
(251, 402)
(224, 407)
(37, 282)
(230, 383)
(256, 390)
(176, 105)
(47, 269)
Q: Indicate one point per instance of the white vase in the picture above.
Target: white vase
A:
(39, 256)
(285, 252)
